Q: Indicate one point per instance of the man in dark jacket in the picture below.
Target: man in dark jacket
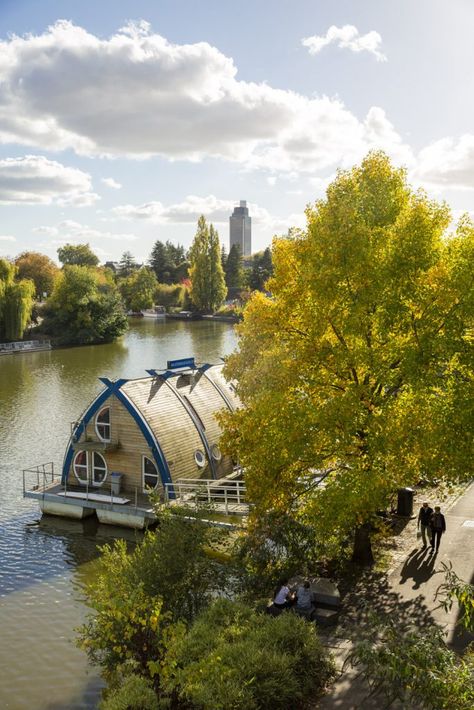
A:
(424, 523)
(438, 527)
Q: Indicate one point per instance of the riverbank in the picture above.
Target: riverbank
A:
(23, 346)
(223, 319)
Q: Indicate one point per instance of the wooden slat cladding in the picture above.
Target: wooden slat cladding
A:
(170, 423)
(127, 460)
(215, 374)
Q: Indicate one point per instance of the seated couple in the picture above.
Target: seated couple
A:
(302, 601)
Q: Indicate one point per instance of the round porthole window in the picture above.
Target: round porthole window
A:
(200, 458)
(216, 452)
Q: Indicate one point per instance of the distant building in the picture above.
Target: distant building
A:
(240, 229)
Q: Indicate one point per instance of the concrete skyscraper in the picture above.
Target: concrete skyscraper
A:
(240, 229)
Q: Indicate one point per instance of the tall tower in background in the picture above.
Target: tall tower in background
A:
(240, 229)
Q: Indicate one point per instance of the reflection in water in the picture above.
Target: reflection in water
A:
(44, 563)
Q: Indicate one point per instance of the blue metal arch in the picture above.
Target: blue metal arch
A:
(113, 388)
(85, 419)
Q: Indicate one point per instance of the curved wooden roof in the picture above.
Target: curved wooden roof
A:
(177, 416)
(181, 411)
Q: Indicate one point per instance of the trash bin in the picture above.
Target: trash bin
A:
(405, 502)
(115, 483)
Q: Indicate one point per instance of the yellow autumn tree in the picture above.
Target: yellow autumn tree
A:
(356, 374)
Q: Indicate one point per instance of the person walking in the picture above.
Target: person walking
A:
(438, 527)
(424, 523)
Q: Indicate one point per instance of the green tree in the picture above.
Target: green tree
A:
(262, 269)
(207, 277)
(16, 302)
(127, 264)
(168, 261)
(176, 252)
(84, 308)
(234, 273)
(39, 268)
(223, 257)
(159, 262)
(139, 289)
(181, 272)
(77, 255)
(358, 371)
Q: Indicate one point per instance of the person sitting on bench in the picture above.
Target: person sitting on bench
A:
(305, 600)
(284, 597)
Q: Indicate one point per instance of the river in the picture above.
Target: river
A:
(44, 563)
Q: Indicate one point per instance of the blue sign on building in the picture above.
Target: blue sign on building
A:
(177, 364)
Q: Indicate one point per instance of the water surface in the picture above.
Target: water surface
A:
(44, 563)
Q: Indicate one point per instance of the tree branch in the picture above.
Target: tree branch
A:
(341, 339)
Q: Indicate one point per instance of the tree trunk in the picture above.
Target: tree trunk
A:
(362, 552)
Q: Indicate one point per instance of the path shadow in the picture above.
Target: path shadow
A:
(373, 595)
(418, 566)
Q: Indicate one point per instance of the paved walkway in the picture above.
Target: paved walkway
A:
(409, 592)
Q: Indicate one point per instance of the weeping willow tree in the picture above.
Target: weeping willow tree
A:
(16, 302)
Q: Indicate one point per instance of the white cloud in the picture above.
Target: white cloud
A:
(152, 97)
(110, 182)
(71, 231)
(188, 211)
(347, 37)
(152, 211)
(47, 231)
(7, 238)
(34, 179)
(215, 210)
(82, 199)
(447, 164)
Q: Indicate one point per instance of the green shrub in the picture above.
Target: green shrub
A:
(171, 295)
(169, 576)
(127, 624)
(135, 693)
(235, 659)
(413, 666)
(233, 311)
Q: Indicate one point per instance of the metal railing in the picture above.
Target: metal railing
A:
(210, 491)
(25, 345)
(43, 474)
(231, 496)
(43, 479)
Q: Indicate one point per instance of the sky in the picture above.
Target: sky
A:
(121, 122)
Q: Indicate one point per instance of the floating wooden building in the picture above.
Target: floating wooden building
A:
(154, 434)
